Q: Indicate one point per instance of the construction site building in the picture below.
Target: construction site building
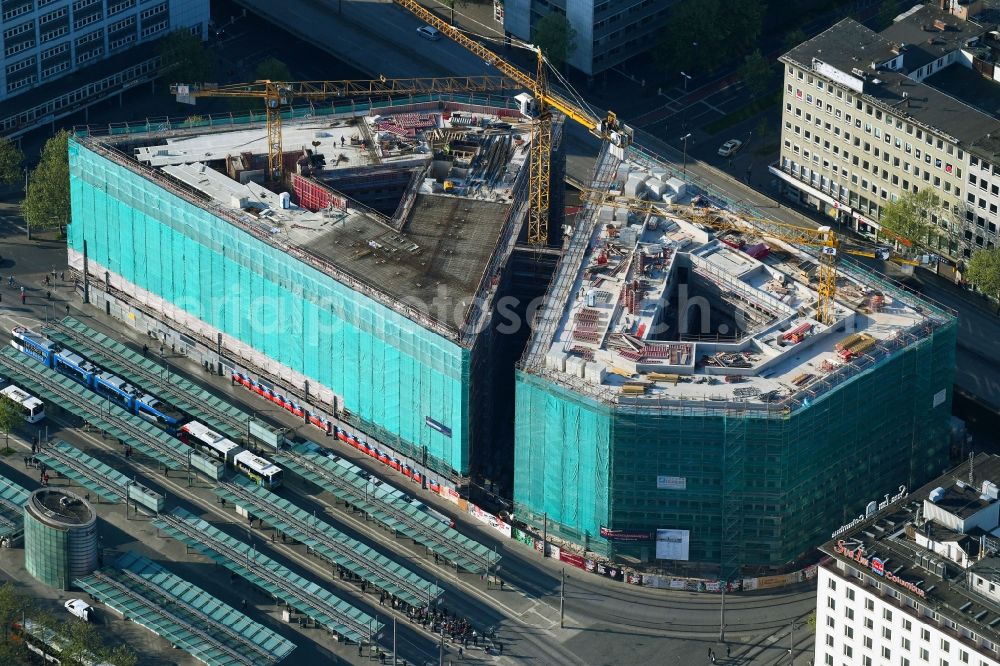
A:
(363, 285)
(681, 404)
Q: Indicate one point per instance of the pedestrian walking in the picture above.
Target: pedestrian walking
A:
(62, 276)
(244, 604)
(48, 295)
(67, 309)
(460, 652)
(729, 651)
(145, 349)
(22, 291)
(24, 299)
(500, 648)
(46, 280)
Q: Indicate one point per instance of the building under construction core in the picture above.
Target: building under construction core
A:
(363, 285)
(680, 400)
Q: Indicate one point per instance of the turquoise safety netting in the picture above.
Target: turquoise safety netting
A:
(389, 371)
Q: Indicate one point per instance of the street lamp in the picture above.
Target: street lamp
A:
(685, 140)
(686, 79)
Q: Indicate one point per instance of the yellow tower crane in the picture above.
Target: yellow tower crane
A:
(277, 95)
(830, 246)
(539, 168)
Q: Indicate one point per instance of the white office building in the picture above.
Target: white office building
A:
(869, 116)
(915, 579)
(63, 55)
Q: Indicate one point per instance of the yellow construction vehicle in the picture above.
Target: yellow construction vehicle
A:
(607, 128)
(277, 95)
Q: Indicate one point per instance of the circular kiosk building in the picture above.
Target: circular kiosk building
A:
(60, 537)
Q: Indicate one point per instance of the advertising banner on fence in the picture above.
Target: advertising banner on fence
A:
(572, 559)
(449, 494)
(601, 569)
(523, 537)
(633, 579)
(768, 582)
(554, 551)
(490, 519)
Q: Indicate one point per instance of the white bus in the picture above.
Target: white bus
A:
(32, 408)
(261, 470)
(200, 436)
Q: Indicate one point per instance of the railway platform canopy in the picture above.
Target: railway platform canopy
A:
(96, 476)
(347, 483)
(13, 497)
(300, 593)
(158, 379)
(336, 547)
(190, 618)
(73, 397)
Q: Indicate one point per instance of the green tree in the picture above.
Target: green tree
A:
(13, 604)
(703, 34)
(268, 69)
(11, 158)
(120, 655)
(756, 73)
(184, 58)
(556, 37)
(81, 639)
(272, 69)
(984, 272)
(913, 216)
(887, 11)
(793, 39)
(46, 204)
(11, 417)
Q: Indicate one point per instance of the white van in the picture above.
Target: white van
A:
(428, 32)
(81, 609)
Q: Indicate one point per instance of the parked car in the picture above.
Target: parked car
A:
(429, 32)
(81, 609)
(730, 148)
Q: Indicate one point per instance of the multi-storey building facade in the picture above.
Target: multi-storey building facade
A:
(868, 116)
(47, 40)
(917, 581)
(608, 32)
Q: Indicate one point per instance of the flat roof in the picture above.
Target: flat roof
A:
(926, 576)
(953, 109)
(61, 508)
(661, 308)
(435, 258)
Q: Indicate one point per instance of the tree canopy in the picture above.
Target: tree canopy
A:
(46, 203)
(756, 73)
(184, 58)
(912, 215)
(80, 640)
(556, 37)
(984, 271)
(270, 69)
(11, 416)
(11, 158)
(703, 34)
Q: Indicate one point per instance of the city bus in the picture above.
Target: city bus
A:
(32, 408)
